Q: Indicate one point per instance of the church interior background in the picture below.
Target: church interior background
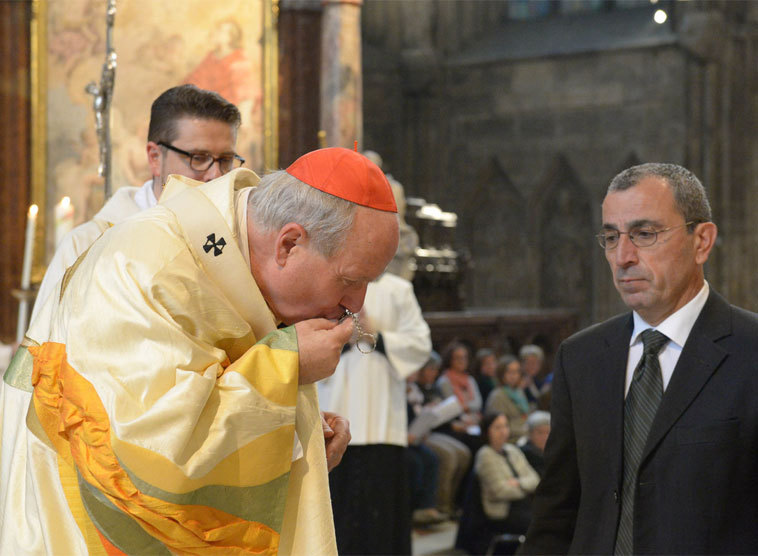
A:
(503, 120)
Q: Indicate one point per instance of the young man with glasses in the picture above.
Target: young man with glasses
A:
(192, 133)
(654, 421)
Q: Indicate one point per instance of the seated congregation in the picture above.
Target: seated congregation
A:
(476, 441)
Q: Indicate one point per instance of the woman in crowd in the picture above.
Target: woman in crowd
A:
(454, 457)
(456, 381)
(483, 371)
(505, 477)
(509, 399)
(504, 482)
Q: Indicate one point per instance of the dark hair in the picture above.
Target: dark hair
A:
(502, 366)
(486, 423)
(481, 355)
(447, 353)
(188, 101)
(689, 194)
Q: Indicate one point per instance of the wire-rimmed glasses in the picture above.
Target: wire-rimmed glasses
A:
(642, 236)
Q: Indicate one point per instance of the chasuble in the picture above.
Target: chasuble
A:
(162, 412)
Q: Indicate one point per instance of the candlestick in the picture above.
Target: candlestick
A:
(64, 219)
(26, 270)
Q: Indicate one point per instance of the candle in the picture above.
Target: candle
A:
(31, 229)
(26, 270)
(64, 219)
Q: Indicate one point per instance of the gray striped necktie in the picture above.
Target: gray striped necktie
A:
(640, 406)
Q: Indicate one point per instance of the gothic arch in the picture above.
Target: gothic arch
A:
(495, 231)
(563, 216)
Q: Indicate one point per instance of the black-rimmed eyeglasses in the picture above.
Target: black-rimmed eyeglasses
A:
(643, 236)
(200, 162)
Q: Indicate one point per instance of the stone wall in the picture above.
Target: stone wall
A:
(519, 127)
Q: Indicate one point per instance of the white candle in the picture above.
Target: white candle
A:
(31, 229)
(26, 270)
(64, 219)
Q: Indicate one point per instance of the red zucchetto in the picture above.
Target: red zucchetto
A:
(345, 174)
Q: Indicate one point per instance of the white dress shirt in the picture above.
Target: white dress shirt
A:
(676, 327)
(145, 198)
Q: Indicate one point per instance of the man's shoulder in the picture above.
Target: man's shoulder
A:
(116, 209)
(744, 318)
(592, 334)
(74, 243)
(150, 241)
(119, 207)
(744, 328)
(720, 318)
(156, 225)
(85, 233)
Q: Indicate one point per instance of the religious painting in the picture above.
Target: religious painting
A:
(219, 46)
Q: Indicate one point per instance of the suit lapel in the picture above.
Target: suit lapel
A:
(700, 358)
(612, 406)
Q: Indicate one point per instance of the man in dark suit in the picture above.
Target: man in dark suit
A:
(654, 441)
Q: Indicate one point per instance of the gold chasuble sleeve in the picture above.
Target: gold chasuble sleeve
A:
(170, 397)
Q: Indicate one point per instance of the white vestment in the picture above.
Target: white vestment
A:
(369, 389)
(154, 408)
(125, 202)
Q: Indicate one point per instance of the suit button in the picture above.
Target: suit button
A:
(616, 496)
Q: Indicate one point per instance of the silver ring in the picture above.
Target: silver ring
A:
(369, 340)
(364, 342)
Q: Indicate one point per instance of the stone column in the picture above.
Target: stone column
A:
(341, 73)
(299, 77)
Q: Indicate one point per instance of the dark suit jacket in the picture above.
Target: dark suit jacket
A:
(698, 481)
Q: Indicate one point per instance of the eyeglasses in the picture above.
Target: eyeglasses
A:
(200, 162)
(643, 236)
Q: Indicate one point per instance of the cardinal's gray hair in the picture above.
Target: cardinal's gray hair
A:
(281, 198)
